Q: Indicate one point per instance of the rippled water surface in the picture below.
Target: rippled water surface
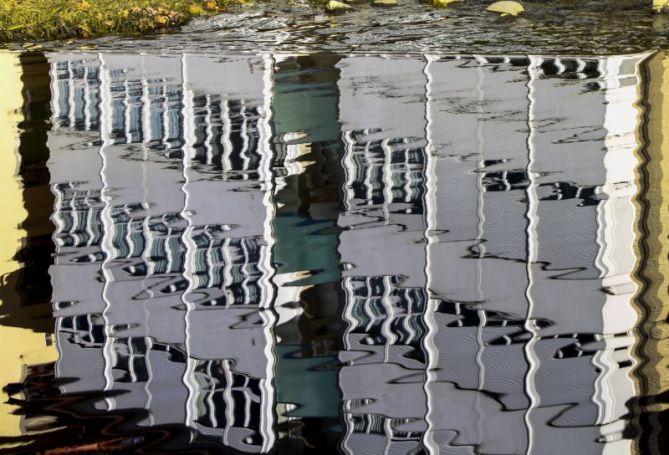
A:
(557, 27)
(331, 253)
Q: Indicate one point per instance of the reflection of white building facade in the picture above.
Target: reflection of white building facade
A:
(170, 276)
(504, 185)
(525, 161)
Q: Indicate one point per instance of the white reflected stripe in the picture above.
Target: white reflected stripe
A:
(532, 253)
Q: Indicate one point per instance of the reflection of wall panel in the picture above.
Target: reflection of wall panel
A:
(10, 112)
(564, 285)
(567, 290)
(534, 186)
(658, 263)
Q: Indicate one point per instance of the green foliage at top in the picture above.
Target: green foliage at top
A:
(56, 19)
(39, 20)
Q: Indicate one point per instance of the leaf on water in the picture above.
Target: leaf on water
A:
(334, 5)
(443, 3)
(385, 2)
(506, 8)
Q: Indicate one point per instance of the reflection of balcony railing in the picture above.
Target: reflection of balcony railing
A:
(381, 314)
(229, 404)
(387, 172)
(150, 111)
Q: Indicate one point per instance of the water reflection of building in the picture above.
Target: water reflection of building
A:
(179, 230)
(165, 229)
(511, 174)
(386, 364)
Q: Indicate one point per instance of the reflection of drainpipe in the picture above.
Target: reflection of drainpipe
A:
(480, 243)
(188, 118)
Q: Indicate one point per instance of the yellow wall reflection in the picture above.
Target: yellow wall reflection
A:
(21, 347)
(657, 225)
(653, 254)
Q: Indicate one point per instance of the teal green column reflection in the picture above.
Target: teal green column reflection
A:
(306, 117)
(307, 163)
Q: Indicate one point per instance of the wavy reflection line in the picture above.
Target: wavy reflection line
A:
(187, 240)
(107, 224)
(532, 256)
(480, 144)
(147, 236)
(268, 272)
(430, 228)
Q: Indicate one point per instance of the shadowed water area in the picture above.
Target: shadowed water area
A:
(333, 253)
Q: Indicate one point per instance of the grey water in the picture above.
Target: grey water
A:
(340, 253)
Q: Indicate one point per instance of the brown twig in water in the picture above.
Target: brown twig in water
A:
(110, 445)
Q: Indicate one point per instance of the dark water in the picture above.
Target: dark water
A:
(331, 253)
